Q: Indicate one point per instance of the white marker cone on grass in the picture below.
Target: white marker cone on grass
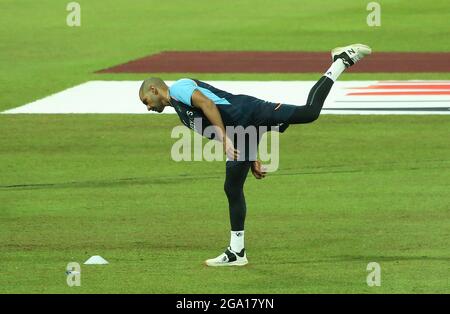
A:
(96, 260)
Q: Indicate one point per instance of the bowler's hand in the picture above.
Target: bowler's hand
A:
(258, 170)
(230, 151)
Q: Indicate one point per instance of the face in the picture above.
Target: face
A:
(153, 100)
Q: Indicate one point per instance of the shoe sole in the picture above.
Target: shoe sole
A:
(366, 50)
(227, 264)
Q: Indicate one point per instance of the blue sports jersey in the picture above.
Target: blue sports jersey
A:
(235, 110)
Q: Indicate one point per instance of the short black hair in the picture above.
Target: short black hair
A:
(151, 81)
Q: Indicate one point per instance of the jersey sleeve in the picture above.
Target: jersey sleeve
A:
(182, 90)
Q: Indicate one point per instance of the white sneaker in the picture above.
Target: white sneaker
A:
(229, 258)
(350, 54)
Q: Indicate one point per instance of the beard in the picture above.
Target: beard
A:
(158, 104)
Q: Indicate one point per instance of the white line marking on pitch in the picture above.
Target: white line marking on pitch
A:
(122, 97)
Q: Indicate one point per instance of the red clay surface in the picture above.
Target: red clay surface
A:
(406, 86)
(403, 93)
(278, 62)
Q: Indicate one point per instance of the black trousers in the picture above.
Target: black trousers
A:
(236, 171)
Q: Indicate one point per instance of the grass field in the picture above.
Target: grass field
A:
(350, 189)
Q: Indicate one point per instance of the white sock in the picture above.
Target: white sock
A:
(237, 241)
(335, 70)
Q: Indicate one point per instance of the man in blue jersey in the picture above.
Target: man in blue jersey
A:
(200, 105)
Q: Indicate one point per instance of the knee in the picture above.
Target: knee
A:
(232, 191)
(312, 116)
(306, 115)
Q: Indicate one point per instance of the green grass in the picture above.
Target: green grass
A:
(350, 189)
